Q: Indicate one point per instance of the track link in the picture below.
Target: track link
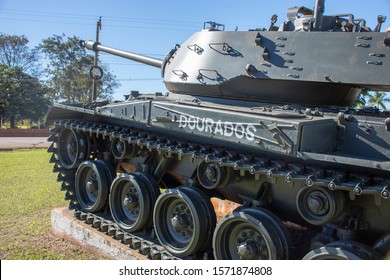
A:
(145, 243)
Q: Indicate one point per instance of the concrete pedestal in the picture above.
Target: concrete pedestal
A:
(64, 224)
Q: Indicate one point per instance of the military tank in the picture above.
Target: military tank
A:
(261, 119)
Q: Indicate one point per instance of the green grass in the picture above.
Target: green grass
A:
(28, 192)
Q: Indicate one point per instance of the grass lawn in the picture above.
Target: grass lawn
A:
(28, 192)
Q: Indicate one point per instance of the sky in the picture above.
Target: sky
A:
(154, 27)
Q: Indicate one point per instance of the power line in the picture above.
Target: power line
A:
(141, 79)
(170, 24)
(149, 54)
(108, 25)
(109, 20)
(44, 21)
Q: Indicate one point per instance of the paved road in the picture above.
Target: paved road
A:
(7, 143)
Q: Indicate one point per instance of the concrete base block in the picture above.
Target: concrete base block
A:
(64, 224)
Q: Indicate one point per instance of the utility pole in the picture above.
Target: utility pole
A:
(95, 62)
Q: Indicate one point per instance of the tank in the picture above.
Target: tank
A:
(259, 120)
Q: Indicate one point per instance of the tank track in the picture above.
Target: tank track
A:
(353, 183)
(145, 243)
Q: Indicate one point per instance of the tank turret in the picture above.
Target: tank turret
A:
(312, 59)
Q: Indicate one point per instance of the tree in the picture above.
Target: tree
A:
(14, 52)
(378, 99)
(360, 102)
(68, 71)
(21, 94)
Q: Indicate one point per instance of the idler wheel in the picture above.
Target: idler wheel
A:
(211, 175)
(72, 148)
(343, 250)
(131, 200)
(184, 220)
(93, 179)
(319, 205)
(251, 234)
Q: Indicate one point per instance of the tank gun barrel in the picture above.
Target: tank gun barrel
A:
(96, 46)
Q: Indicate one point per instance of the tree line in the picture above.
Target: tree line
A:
(28, 86)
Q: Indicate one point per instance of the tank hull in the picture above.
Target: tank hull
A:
(267, 157)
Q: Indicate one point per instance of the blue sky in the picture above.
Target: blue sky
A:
(154, 27)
